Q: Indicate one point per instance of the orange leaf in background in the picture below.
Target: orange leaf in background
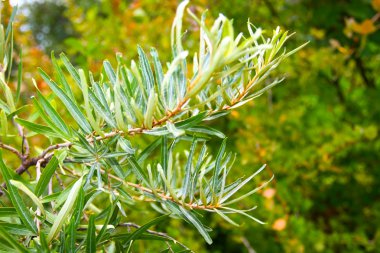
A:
(235, 114)
(365, 28)
(269, 193)
(376, 5)
(262, 152)
(335, 44)
(279, 224)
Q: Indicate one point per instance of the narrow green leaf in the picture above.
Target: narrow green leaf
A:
(136, 234)
(70, 105)
(46, 175)
(242, 213)
(192, 121)
(206, 131)
(148, 150)
(2, 42)
(45, 117)
(53, 114)
(44, 244)
(250, 192)
(121, 123)
(4, 124)
(8, 94)
(19, 78)
(173, 130)
(37, 128)
(144, 236)
(151, 106)
(62, 78)
(157, 131)
(73, 72)
(114, 164)
(16, 229)
(110, 72)
(16, 199)
(127, 84)
(225, 217)
(17, 111)
(164, 154)
(99, 92)
(30, 194)
(104, 112)
(238, 187)
(190, 217)
(75, 221)
(125, 144)
(218, 168)
(12, 241)
(138, 171)
(166, 183)
(157, 66)
(4, 107)
(8, 212)
(84, 143)
(146, 70)
(86, 103)
(9, 53)
(11, 20)
(182, 125)
(188, 169)
(111, 212)
(201, 160)
(91, 238)
(65, 210)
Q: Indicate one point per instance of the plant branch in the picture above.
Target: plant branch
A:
(133, 225)
(25, 143)
(369, 82)
(53, 147)
(26, 164)
(11, 149)
(161, 195)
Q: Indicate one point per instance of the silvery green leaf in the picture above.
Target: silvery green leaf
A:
(206, 131)
(110, 72)
(65, 210)
(70, 105)
(173, 130)
(30, 194)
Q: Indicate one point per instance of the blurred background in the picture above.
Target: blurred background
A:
(318, 131)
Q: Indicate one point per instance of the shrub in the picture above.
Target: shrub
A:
(132, 134)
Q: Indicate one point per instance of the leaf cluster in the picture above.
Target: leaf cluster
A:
(169, 104)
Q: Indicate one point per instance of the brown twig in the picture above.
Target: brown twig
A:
(368, 81)
(25, 143)
(160, 194)
(53, 147)
(11, 149)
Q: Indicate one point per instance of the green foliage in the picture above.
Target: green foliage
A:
(132, 134)
(321, 136)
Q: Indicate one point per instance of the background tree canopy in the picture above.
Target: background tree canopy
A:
(318, 132)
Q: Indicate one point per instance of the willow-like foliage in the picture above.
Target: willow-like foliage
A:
(95, 140)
